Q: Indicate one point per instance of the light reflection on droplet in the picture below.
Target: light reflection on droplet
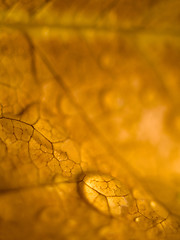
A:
(107, 194)
(160, 210)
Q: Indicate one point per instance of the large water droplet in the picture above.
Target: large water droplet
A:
(106, 193)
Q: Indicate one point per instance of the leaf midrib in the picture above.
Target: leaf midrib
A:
(85, 28)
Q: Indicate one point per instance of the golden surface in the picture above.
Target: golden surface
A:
(108, 195)
(89, 89)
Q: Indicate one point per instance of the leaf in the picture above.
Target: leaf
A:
(89, 119)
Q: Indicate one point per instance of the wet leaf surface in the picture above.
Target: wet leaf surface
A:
(89, 120)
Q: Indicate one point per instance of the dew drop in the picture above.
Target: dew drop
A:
(46, 32)
(160, 210)
(106, 194)
(50, 214)
(137, 219)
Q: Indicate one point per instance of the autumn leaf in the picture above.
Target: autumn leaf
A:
(89, 119)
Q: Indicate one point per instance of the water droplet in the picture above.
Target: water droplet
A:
(50, 214)
(137, 219)
(113, 100)
(45, 32)
(106, 193)
(143, 222)
(161, 211)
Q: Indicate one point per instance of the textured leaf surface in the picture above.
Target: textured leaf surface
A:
(89, 119)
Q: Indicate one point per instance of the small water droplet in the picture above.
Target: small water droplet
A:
(137, 219)
(50, 213)
(45, 32)
(113, 100)
(161, 211)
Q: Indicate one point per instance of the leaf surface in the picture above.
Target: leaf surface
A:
(89, 119)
